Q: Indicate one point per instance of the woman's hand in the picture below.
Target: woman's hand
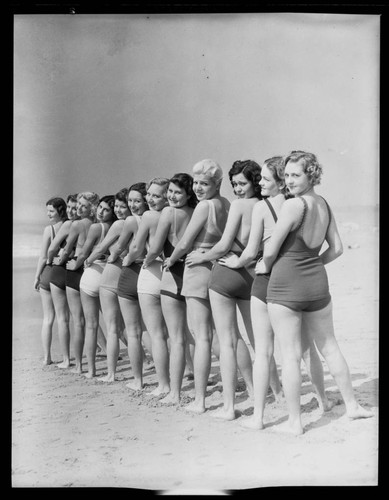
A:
(112, 258)
(230, 260)
(37, 284)
(260, 268)
(195, 258)
(167, 264)
(71, 265)
(126, 261)
(57, 261)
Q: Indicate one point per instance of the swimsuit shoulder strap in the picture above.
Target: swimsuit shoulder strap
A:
(271, 209)
(239, 243)
(328, 209)
(52, 233)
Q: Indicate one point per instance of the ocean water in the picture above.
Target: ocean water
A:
(27, 237)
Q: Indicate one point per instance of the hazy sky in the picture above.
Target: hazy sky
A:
(103, 101)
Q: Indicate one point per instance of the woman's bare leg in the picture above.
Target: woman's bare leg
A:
(224, 316)
(62, 313)
(132, 317)
(200, 323)
(113, 321)
(264, 364)
(47, 324)
(91, 308)
(286, 324)
(74, 301)
(155, 324)
(320, 326)
(174, 312)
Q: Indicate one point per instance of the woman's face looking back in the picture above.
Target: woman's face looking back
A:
(121, 209)
(136, 202)
(177, 196)
(52, 214)
(156, 197)
(104, 212)
(204, 186)
(71, 210)
(243, 188)
(269, 186)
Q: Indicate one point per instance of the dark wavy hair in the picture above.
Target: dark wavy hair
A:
(141, 187)
(185, 181)
(122, 195)
(60, 206)
(310, 164)
(251, 170)
(109, 199)
(72, 197)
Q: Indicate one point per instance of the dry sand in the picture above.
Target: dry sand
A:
(68, 431)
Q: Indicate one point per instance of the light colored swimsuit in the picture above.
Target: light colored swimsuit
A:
(91, 278)
(196, 278)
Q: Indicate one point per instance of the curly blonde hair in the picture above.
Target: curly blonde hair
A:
(210, 168)
(310, 163)
(92, 198)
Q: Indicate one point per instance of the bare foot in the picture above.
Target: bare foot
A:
(107, 378)
(328, 404)
(252, 423)
(47, 362)
(195, 408)
(290, 428)
(77, 370)
(158, 391)
(135, 385)
(171, 399)
(279, 397)
(223, 414)
(90, 374)
(64, 365)
(358, 412)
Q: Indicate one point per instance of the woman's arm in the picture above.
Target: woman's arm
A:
(290, 216)
(160, 236)
(42, 256)
(92, 236)
(110, 238)
(129, 229)
(196, 224)
(223, 246)
(335, 246)
(58, 239)
(75, 230)
(254, 243)
(138, 244)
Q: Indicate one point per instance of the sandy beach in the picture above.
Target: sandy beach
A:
(68, 431)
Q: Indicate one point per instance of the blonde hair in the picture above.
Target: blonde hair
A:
(210, 168)
(310, 164)
(92, 198)
(160, 181)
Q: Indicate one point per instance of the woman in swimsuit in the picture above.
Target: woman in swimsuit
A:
(149, 281)
(171, 226)
(298, 290)
(58, 280)
(264, 216)
(230, 288)
(202, 233)
(90, 280)
(108, 285)
(127, 285)
(87, 203)
(56, 212)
